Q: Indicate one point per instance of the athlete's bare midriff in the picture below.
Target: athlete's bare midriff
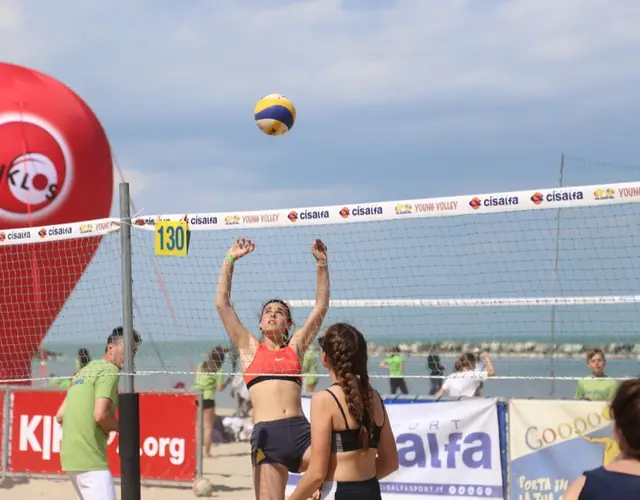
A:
(275, 400)
(358, 465)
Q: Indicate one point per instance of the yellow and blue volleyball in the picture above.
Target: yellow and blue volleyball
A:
(275, 114)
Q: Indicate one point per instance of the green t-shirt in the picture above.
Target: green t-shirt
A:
(64, 383)
(208, 382)
(597, 389)
(310, 367)
(395, 365)
(84, 442)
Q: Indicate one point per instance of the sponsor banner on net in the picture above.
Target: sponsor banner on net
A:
(629, 192)
(394, 210)
(58, 232)
(551, 443)
(447, 449)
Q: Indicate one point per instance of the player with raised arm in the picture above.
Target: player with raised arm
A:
(88, 417)
(281, 438)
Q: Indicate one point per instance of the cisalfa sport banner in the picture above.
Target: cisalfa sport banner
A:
(551, 443)
(446, 449)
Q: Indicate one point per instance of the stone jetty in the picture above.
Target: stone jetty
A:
(515, 350)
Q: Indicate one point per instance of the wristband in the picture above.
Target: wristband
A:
(229, 258)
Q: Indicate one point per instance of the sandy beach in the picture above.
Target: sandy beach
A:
(229, 471)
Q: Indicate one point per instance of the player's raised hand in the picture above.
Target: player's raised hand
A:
(319, 251)
(240, 248)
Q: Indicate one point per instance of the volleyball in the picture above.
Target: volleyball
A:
(275, 114)
(203, 487)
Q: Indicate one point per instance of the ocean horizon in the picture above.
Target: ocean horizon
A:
(161, 364)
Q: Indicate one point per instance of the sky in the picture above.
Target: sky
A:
(395, 100)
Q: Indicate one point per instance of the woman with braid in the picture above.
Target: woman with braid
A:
(352, 445)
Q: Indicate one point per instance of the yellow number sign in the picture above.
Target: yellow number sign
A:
(172, 238)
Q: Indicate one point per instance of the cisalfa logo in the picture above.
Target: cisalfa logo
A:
(537, 198)
(293, 216)
(344, 213)
(475, 203)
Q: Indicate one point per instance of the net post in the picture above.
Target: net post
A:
(200, 436)
(6, 435)
(129, 402)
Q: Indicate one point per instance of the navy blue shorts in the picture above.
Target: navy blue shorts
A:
(281, 442)
(348, 490)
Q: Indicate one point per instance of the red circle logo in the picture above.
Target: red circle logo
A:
(36, 165)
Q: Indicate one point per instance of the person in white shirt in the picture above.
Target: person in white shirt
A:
(465, 381)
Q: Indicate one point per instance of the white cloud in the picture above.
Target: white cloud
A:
(203, 55)
(165, 63)
(140, 183)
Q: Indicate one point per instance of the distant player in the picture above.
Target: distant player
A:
(436, 370)
(83, 358)
(88, 417)
(210, 381)
(597, 387)
(395, 365)
(466, 379)
(310, 369)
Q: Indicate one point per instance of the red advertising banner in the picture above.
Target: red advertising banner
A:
(35, 434)
(167, 447)
(2, 396)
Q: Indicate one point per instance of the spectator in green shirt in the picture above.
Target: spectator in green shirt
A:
(209, 380)
(310, 369)
(598, 387)
(395, 365)
(88, 416)
(60, 383)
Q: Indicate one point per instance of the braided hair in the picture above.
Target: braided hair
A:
(346, 351)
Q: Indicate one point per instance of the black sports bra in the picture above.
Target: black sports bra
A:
(349, 439)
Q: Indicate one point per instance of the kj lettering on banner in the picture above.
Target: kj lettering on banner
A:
(167, 452)
(551, 443)
(35, 434)
(452, 450)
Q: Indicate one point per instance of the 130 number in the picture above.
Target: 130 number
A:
(172, 238)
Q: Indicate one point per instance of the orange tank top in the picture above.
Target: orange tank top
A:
(280, 364)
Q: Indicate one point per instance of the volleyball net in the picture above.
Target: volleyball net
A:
(525, 275)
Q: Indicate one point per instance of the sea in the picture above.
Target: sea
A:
(161, 364)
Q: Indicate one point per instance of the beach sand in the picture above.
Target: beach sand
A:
(229, 470)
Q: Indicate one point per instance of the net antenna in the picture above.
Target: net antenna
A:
(165, 291)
